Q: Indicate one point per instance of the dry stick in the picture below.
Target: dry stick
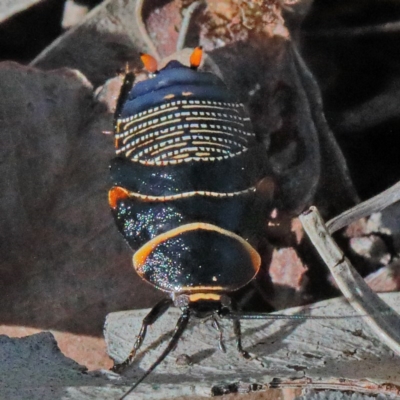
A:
(143, 31)
(374, 204)
(383, 320)
(180, 44)
(325, 135)
(388, 27)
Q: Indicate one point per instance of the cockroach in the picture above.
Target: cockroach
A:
(192, 190)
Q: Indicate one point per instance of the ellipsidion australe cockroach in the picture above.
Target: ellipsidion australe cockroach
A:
(191, 192)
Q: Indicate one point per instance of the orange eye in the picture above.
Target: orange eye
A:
(149, 62)
(195, 58)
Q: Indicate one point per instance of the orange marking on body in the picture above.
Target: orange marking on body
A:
(140, 257)
(204, 296)
(149, 62)
(195, 58)
(116, 194)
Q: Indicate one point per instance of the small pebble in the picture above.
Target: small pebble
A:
(183, 360)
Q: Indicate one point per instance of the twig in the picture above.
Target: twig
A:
(143, 31)
(186, 23)
(374, 204)
(383, 320)
(388, 27)
(330, 150)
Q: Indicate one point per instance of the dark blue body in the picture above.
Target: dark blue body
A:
(209, 173)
